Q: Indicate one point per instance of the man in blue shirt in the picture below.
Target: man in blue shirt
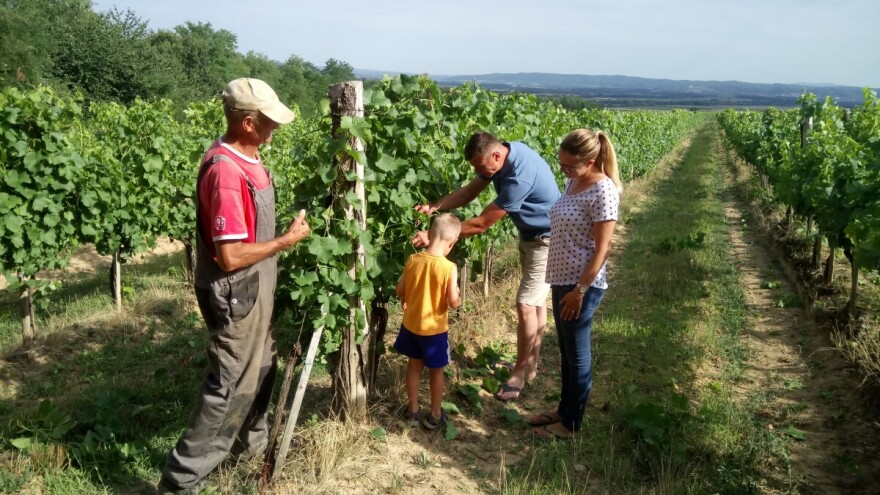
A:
(526, 190)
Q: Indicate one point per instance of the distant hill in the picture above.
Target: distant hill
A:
(640, 91)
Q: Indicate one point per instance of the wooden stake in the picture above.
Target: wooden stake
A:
(270, 458)
(190, 262)
(297, 402)
(487, 269)
(26, 310)
(829, 266)
(116, 280)
(853, 288)
(817, 250)
(462, 281)
(349, 381)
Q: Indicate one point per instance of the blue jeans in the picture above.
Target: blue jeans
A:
(574, 346)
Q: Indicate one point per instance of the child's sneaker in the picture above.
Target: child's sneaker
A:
(412, 418)
(432, 423)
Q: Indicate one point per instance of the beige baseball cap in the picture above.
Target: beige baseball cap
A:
(253, 94)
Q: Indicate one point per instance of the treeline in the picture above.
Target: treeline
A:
(114, 56)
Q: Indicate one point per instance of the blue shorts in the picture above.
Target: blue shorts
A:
(432, 349)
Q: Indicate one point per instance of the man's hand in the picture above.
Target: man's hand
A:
(420, 239)
(428, 208)
(299, 229)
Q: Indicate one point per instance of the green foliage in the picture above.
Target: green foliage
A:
(472, 393)
(109, 57)
(694, 240)
(450, 432)
(379, 433)
(136, 162)
(795, 433)
(42, 177)
(450, 407)
(30, 31)
(113, 56)
(511, 416)
(46, 425)
(135, 169)
(834, 178)
(657, 425)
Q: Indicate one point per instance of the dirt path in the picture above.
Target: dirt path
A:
(793, 369)
(87, 262)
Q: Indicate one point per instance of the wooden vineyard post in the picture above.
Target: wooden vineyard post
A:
(487, 268)
(854, 267)
(349, 380)
(116, 281)
(26, 310)
(806, 126)
(854, 286)
(817, 249)
(190, 262)
(462, 281)
(829, 266)
(378, 328)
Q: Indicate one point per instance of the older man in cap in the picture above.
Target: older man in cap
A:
(235, 277)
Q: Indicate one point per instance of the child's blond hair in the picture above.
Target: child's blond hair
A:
(445, 226)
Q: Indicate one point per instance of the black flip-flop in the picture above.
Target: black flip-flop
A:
(506, 364)
(505, 388)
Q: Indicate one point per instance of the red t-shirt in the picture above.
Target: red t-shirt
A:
(226, 206)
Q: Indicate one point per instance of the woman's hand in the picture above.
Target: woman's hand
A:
(571, 305)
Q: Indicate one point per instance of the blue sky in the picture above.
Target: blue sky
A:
(784, 41)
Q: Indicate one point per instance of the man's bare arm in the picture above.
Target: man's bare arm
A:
(234, 255)
(460, 197)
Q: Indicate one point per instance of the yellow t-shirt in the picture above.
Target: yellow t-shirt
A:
(426, 282)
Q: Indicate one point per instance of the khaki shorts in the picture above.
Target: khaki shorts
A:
(533, 262)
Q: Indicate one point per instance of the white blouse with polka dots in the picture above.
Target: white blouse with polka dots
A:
(571, 231)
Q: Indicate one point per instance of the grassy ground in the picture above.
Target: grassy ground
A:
(667, 357)
(666, 415)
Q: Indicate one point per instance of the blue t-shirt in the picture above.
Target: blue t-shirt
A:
(526, 190)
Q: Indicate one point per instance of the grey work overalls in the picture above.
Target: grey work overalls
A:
(230, 413)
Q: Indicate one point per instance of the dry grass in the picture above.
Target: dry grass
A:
(863, 348)
(484, 320)
(335, 457)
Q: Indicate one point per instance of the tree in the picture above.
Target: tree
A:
(337, 71)
(28, 36)
(109, 57)
(208, 57)
(262, 67)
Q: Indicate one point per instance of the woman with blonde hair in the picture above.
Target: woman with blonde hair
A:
(582, 222)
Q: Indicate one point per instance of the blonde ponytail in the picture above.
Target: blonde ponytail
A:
(587, 145)
(607, 160)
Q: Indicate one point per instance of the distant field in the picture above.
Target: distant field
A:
(641, 99)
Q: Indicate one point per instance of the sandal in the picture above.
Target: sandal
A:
(543, 433)
(505, 364)
(507, 389)
(432, 423)
(544, 419)
(412, 418)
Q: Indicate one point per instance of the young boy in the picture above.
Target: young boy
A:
(427, 289)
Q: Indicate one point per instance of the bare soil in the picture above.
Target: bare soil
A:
(87, 262)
